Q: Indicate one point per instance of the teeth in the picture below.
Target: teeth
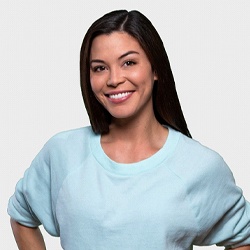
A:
(120, 95)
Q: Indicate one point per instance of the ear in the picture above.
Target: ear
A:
(155, 76)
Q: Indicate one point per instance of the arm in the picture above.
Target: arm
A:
(27, 238)
(243, 248)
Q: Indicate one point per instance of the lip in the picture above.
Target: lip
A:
(119, 96)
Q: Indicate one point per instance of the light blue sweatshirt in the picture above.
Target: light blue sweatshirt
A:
(183, 195)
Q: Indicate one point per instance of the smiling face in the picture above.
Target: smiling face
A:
(121, 75)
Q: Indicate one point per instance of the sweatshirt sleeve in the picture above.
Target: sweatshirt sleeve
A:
(31, 204)
(222, 212)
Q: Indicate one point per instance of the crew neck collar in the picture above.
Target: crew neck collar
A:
(138, 167)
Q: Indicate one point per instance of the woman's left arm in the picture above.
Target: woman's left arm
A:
(223, 214)
(243, 248)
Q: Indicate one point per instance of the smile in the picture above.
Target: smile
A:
(119, 95)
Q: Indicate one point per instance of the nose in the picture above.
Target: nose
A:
(115, 77)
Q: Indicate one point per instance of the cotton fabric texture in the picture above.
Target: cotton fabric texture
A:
(183, 195)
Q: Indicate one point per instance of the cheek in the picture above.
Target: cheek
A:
(95, 85)
(144, 79)
(96, 88)
(143, 74)
(98, 81)
(137, 76)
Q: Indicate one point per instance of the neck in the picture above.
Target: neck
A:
(135, 131)
(135, 138)
(134, 141)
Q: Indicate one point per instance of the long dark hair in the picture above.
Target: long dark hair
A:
(167, 108)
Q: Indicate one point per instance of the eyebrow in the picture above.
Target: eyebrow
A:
(120, 57)
(128, 53)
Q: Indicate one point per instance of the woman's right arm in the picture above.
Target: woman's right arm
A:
(27, 238)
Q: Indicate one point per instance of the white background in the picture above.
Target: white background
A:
(208, 43)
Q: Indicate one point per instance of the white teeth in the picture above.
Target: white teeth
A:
(120, 95)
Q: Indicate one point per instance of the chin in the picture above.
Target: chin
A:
(121, 114)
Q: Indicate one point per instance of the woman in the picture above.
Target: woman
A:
(135, 179)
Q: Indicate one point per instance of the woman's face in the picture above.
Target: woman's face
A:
(121, 75)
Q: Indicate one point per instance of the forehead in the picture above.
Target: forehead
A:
(115, 43)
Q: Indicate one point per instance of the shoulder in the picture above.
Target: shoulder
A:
(198, 151)
(70, 138)
(73, 135)
(72, 143)
(193, 153)
(196, 164)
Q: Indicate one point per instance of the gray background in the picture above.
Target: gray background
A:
(208, 43)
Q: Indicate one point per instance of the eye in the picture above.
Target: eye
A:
(129, 63)
(98, 68)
